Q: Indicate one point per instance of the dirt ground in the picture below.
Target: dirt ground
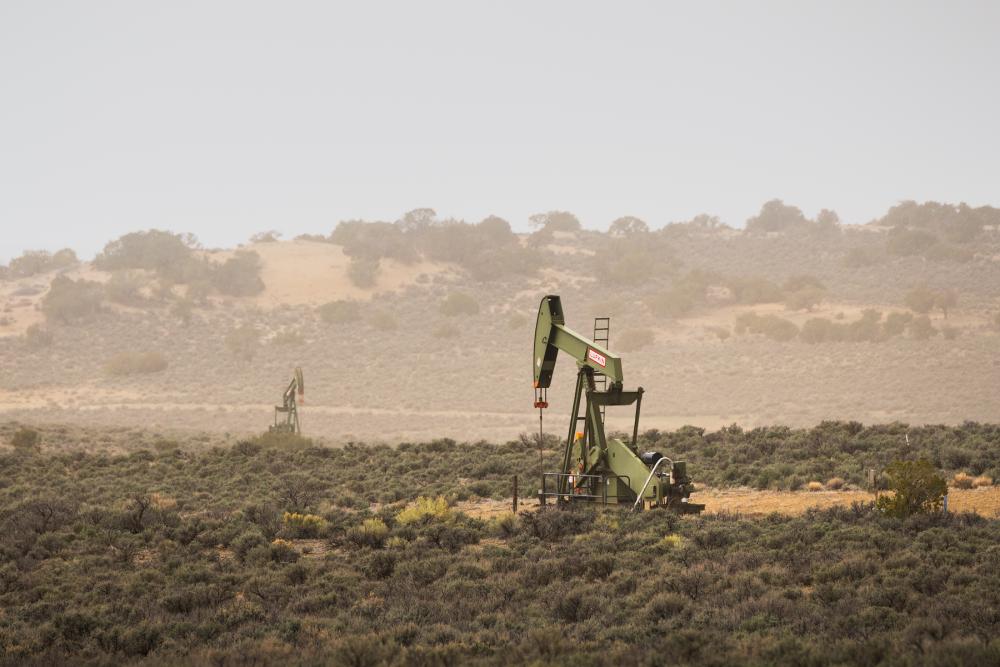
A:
(984, 501)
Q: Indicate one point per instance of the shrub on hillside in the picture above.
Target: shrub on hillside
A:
(555, 221)
(239, 275)
(33, 262)
(459, 303)
(166, 253)
(69, 301)
(776, 216)
(363, 272)
(135, 363)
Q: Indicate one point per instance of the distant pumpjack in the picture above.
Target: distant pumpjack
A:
(286, 415)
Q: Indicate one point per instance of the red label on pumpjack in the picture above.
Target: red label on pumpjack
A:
(597, 357)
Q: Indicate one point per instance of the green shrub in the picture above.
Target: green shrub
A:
(917, 487)
(371, 533)
(135, 363)
(303, 525)
(459, 303)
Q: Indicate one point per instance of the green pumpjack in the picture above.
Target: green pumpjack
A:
(596, 468)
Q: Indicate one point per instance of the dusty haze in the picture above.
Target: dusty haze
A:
(227, 118)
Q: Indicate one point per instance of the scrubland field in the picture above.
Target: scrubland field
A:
(144, 518)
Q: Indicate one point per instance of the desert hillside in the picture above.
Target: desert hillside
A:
(423, 328)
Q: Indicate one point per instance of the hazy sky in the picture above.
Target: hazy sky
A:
(226, 118)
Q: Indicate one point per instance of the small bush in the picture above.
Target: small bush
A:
(982, 480)
(135, 363)
(962, 481)
(918, 488)
(459, 303)
(303, 525)
(814, 486)
(33, 262)
(239, 275)
(363, 272)
(425, 510)
(371, 533)
(70, 301)
(835, 483)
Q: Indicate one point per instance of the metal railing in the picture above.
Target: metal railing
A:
(577, 486)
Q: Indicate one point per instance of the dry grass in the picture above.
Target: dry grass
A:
(962, 481)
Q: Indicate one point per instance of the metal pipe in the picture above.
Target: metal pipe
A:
(635, 429)
(651, 473)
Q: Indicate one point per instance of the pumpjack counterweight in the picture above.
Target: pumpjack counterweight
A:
(595, 467)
